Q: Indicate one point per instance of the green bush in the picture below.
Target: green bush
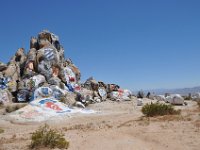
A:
(157, 109)
(46, 137)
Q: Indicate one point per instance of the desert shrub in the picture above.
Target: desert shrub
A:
(198, 103)
(140, 94)
(1, 105)
(157, 109)
(187, 97)
(11, 108)
(1, 131)
(50, 138)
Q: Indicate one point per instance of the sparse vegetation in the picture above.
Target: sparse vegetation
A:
(50, 138)
(11, 108)
(187, 97)
(157, 109)
(1, 130)
(198, 103)
(1, 105)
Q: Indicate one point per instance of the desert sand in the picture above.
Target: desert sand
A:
(115, 126)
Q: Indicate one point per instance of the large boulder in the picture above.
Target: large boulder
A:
(12, 71)
(160, 98)
(175, 99)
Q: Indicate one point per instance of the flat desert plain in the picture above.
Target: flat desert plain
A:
(115, 126)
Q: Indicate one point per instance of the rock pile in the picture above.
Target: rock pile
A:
(44, 72)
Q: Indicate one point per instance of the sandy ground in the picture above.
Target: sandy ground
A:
(116, 126)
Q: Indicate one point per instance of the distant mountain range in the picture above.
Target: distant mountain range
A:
(182, 91)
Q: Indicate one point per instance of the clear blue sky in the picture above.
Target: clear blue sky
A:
(143, 44)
